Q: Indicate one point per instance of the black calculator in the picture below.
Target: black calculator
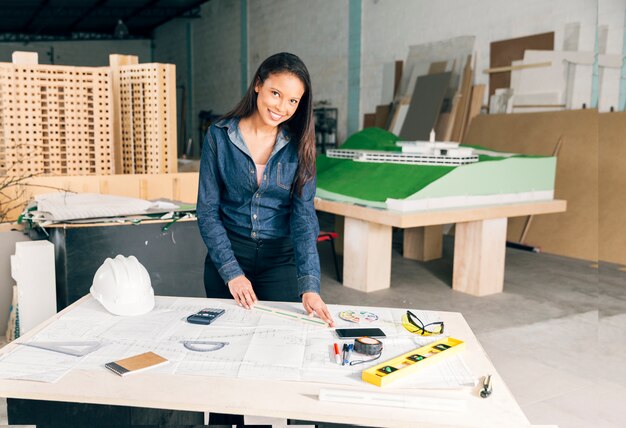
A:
(205, 316)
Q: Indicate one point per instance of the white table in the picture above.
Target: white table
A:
(283, 399)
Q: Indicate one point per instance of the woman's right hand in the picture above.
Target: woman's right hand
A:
(241, 289)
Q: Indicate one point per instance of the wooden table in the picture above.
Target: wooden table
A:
(281, 399)
(479, 241)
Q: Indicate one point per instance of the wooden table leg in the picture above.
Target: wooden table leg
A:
(340, 231)
(423, 243)
(479, 249)
(367, 255)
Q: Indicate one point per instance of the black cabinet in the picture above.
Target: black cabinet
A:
(174, 257)
(325, 128)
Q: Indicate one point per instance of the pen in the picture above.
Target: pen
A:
(486, 391)
(345, 354)
(337, 356)
(350, 348)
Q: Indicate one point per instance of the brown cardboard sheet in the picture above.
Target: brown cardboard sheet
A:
(369, 120)
(382, 116)
(612, 177)
(575, 232)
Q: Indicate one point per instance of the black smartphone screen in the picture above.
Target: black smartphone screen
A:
(348, 333)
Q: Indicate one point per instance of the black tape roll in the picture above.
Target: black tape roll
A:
(368, 345)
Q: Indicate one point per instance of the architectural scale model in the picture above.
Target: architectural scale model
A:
(54, 120)
(438, 156)
(413, 153)
(64, 120)
(436, 175)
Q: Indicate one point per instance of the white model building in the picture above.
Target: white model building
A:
(431, 152)
(436, 148)
(412, 154)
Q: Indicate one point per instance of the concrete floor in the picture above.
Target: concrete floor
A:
(557, 334)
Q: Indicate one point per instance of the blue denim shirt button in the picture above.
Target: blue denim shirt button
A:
(254, 216)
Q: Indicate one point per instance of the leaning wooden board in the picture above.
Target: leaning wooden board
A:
(574, 233)
(612, 199)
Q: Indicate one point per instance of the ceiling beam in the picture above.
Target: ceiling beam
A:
(35, 14)
(191, 9)
(140, 10)
(85, 14)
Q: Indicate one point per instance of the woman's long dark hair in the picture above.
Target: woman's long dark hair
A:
(300, 125)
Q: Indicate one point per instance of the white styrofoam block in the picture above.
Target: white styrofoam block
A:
(556, 78)
(501, 101)
(547, 98)
(25, 58)
(32, 268)
(445, 202)
(541, 79)
(515, 76)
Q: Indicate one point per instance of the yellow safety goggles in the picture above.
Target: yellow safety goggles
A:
(416, 326)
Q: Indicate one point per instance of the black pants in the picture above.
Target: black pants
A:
(269, 264)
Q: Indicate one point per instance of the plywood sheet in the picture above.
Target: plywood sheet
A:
(425, 106)
(369, 120)
(462, 102)
(420, 57)
(612, 202)
(397, 76)
(575, 232)
(382, 116)
(178, 186)
(504, 52)
(476, 103)
(398, 118)
(437, 67)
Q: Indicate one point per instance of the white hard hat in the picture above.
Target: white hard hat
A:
(122, 285)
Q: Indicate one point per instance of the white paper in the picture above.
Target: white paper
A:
(260, 345)
(27, 363)
(71, 206)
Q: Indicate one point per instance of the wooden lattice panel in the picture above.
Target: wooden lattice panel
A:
(55, 120)
(147, 118)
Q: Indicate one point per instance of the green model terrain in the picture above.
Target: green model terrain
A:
(371, 183)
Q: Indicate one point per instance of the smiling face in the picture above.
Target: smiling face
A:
(278, 97)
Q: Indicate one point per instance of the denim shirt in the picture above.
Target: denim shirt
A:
(229, 199)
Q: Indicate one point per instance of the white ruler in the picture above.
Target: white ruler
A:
(291, 315)
(393, 400)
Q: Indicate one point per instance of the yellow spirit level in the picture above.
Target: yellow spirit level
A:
(405, 364)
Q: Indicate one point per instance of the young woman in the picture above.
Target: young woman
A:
(255, 201)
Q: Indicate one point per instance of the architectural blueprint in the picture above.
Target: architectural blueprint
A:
(259, 345)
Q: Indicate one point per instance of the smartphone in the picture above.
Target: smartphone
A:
(350, 333)
(205, 316)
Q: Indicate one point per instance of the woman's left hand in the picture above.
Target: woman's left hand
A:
(313, 302)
